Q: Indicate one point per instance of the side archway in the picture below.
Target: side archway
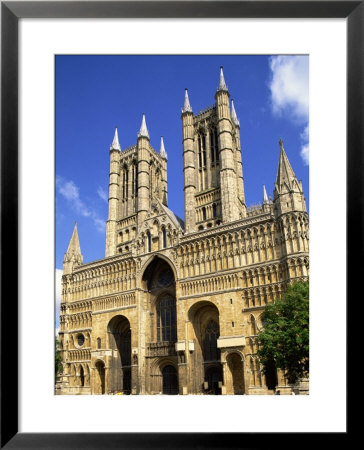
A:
(235, 364)
(99, 387)
(206, 360)
(119, 333)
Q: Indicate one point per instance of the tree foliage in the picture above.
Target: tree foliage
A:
(58, 359)
(284, 339)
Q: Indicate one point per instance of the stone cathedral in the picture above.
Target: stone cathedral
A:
(175, 307)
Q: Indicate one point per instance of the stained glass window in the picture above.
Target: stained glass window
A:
(166, 319)
(212, 332)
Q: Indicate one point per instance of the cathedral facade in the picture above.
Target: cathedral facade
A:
(175, 307)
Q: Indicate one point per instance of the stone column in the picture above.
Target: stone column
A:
(113, 202)
(143, 178)
(189, 170)
(228, 186)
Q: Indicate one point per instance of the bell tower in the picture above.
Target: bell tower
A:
(138, 174)
(213, 174)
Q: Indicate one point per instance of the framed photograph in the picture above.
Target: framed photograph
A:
(41, 70)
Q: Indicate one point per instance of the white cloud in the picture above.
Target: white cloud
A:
(70, 192)
(99, 224)
(305, 154)
(102, 193)
(289, 86)
(305, 146)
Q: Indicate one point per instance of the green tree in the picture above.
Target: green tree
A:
(284, 339)
(58, 359)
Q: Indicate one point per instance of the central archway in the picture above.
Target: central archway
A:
(213, 375)
(170, 380)
(159, 285)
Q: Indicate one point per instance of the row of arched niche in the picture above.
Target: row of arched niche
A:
(206, 360)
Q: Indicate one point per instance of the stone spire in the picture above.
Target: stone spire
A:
(288, 191)
(186, 106)
(265, 196)
(73, 256)
(285, 174)
(162, 150)
(115, 143)
(222, 84)
(233, 114)
(143, 132)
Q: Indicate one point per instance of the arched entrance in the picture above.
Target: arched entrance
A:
(170, 380)
(120, 340)
(100, 382)
(159, 285)
(205, 330)
(213, 375)
(236, 368)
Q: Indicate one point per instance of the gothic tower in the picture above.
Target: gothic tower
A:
(290, 208)
(213, 175)
(138, 174)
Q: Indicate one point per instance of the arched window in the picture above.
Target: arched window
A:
(98, 343)
(212, 147)
(125, 182)
(126, 349)
(134, 180)
(216, 147)
(199, 153)
(214, 210)
(82, 376)
(166, 319)
(203, 150)
(164, 237)
(149, 237)
(253, 326)
(158, 176)
(203, 213)
(212, 332)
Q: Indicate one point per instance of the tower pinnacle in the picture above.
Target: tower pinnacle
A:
(73, 256)
(162, 150)
(265, 196)
(115, 143)
(186, 106)
(233, 114)
(288, 192)
(285, 173)
(222, 84)
(143, 132)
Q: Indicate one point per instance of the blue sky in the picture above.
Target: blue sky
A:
(96, 93)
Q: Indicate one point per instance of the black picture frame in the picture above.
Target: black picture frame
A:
(11, 12)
